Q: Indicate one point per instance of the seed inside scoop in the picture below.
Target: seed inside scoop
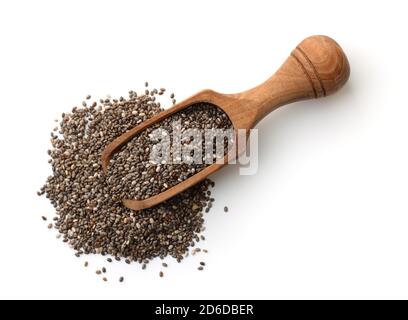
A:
(170, 151)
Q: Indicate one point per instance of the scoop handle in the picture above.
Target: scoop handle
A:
(317, 67)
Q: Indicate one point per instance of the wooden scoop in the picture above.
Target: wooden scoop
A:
(316, 67)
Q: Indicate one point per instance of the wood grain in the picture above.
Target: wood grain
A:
(317, 67)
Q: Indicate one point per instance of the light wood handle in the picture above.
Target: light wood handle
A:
(316, 68)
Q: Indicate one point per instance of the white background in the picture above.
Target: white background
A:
(325, 217)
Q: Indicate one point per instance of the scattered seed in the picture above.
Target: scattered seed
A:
(225, 209)
(202, 263)
(109, 260)
(90, 216)
(161, 274)
(44, 218)
(164, 265)
(98, 272)
(200, 268)
(121, 279)
(105, 279)
(50, 226)
(104, 270)
(86, 264)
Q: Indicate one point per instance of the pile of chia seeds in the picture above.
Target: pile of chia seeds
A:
(89, 214)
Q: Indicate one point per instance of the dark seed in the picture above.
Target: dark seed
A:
(121, 279)
(90, 216)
